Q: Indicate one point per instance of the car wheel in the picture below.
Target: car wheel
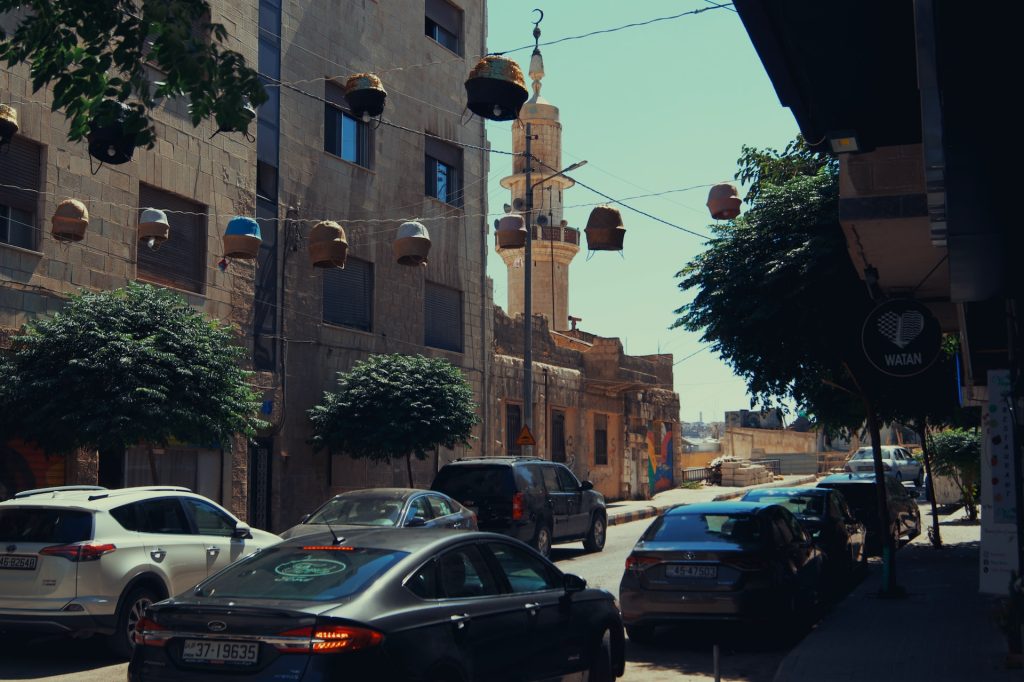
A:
(601, 665)
(542, 540)
(919, 481)
(640, 634)
(594, 542)
(122, 642)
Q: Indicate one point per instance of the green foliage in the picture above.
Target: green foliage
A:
(957, 453)
(117, 368)
(91, 50)
(393, 405)
(760, 168)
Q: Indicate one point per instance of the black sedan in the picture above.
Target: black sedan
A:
(826, 516)
(386, 507)
(405, 604)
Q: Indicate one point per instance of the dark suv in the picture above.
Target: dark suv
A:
(860, 493)
(528, 498)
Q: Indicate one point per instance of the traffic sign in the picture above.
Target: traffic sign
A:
(525, 437)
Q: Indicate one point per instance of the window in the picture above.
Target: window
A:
(19, 166)
(513, 422)
(440, 506)
(600, 439)
(423, 583)
(348, 295)
(525, 572)
(442, 317)
(419, 509)
(345, 135)
(443, 23)
(464, 573)
(567, 481)
(44, 525)
(180, 261)
(163, 515)
(551, 479)
(210, 520)
(557, 436)
(442, 170)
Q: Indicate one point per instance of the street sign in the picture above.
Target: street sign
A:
(901, 338)
(525, 437)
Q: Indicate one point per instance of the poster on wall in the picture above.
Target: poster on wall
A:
(660, 457)
(998, 557)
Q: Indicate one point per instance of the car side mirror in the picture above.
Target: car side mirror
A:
(573, 583)
(242, 531)
(586, 485)
(415, 522)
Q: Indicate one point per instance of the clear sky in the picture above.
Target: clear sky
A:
(651, 108)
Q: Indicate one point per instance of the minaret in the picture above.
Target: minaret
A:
(555, 243)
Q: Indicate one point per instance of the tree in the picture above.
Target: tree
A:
(395, 406)
(957, 453)
(118, 368)
(90, 51)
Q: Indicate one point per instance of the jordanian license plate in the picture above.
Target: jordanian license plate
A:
(217, 651)
(18, 562)
(684, 571)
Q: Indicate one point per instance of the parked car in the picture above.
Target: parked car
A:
(384, 604)
(860, 493)
(895, 459)
(85, 559)
(390, 507)
(531, 499)
(823, 512)
(738, 561)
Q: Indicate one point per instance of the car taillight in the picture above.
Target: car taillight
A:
(150, 633)
(638, 564)
(79, 551)
(750, 562)
(517, 506)
(328, 639)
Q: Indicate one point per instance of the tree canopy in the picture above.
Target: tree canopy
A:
(957, 453)
(116, 368)
(90, 51)
(395, 406)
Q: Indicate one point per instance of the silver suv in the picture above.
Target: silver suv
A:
(87, 560)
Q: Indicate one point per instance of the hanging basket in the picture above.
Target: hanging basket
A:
(248, 114)
(604, 229)
(70, 221)
(242, 238)
(412, 244)
(495, 89)
(365, 94)
(108, 141)
(510, 231)
(153, 227)
(724, 201)
(328, 247)
(8, 123)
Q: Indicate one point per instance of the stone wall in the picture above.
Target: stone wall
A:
(741, 442)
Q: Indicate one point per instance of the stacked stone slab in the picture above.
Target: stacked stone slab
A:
(739, 473)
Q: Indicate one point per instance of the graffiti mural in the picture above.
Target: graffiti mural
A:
(23, 467)
(660, 457)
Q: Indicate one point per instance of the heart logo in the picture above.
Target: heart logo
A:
(902, 328)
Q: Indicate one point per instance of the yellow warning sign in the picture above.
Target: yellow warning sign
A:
(525, 437)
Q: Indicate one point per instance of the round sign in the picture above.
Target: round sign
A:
(901, 338)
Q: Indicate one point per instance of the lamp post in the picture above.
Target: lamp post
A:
(528, 282)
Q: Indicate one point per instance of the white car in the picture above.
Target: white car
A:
(86, 560)
(896, 459)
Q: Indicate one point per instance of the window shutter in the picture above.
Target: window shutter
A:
(348, 295)
(442, 317)
(444, 14)
(180, 261)
(19, 166)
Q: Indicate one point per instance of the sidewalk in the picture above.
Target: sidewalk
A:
(626, 511)
(943, 630)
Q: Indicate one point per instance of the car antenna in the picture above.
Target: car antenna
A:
(337, 538)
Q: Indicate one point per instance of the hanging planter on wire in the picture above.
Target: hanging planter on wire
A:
(70, 221)
(245, 116)
(8, 124)
(724, 201)
(412, 244)
(109, 141)
(496, 89)
(328, 247)
(510, 231)
(242, 238)
(604, 229)
(154, 228)
(365, 95)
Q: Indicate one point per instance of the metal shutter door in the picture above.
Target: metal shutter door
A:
(348, 295)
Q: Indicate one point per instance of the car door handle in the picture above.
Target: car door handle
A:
(158, 554)
(212, 551)
(532, 607)
(459, 620)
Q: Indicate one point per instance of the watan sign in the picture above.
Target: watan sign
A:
(901, 338)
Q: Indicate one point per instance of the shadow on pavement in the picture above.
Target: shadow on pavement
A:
(31, 657)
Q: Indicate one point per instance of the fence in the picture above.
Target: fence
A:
(772, 465)
(691, 474)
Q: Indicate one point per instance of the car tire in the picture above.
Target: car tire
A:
(640, 634)
(601, 669)
(542, 540)
(919, 481)
(594, 542)
(121, 643)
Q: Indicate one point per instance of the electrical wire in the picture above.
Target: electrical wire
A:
(687, 357)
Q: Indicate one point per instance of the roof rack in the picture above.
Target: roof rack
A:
(517, 457)
(56, 489)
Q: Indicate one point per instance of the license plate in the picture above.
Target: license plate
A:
(18, 562)
(676, 571)
(219, 651)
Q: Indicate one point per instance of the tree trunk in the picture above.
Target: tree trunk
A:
(922, 432)
(152, 465)
(885, 526)
(408, 466)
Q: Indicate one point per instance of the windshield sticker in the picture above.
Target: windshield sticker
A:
(304, 570)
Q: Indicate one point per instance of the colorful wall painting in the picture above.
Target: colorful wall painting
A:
(660, 457)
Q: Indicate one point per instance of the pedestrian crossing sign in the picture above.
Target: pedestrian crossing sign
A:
(525, 437)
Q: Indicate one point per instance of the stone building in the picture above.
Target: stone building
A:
(613, 418)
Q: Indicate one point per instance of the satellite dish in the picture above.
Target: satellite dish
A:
(518, 204)
(542, 220)
(508, 209)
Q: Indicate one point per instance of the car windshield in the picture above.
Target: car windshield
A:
(302, 572)
(801, 505)
(359, 510)
(860, 497)
(469, 482)
(741, 529)
(48, 525)
(866, 454)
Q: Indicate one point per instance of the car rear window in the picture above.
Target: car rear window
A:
(795, 503)
(472, 481)
(742, 529)
(859, 496)
(303, 573)
(360, 511)
(45, 525)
